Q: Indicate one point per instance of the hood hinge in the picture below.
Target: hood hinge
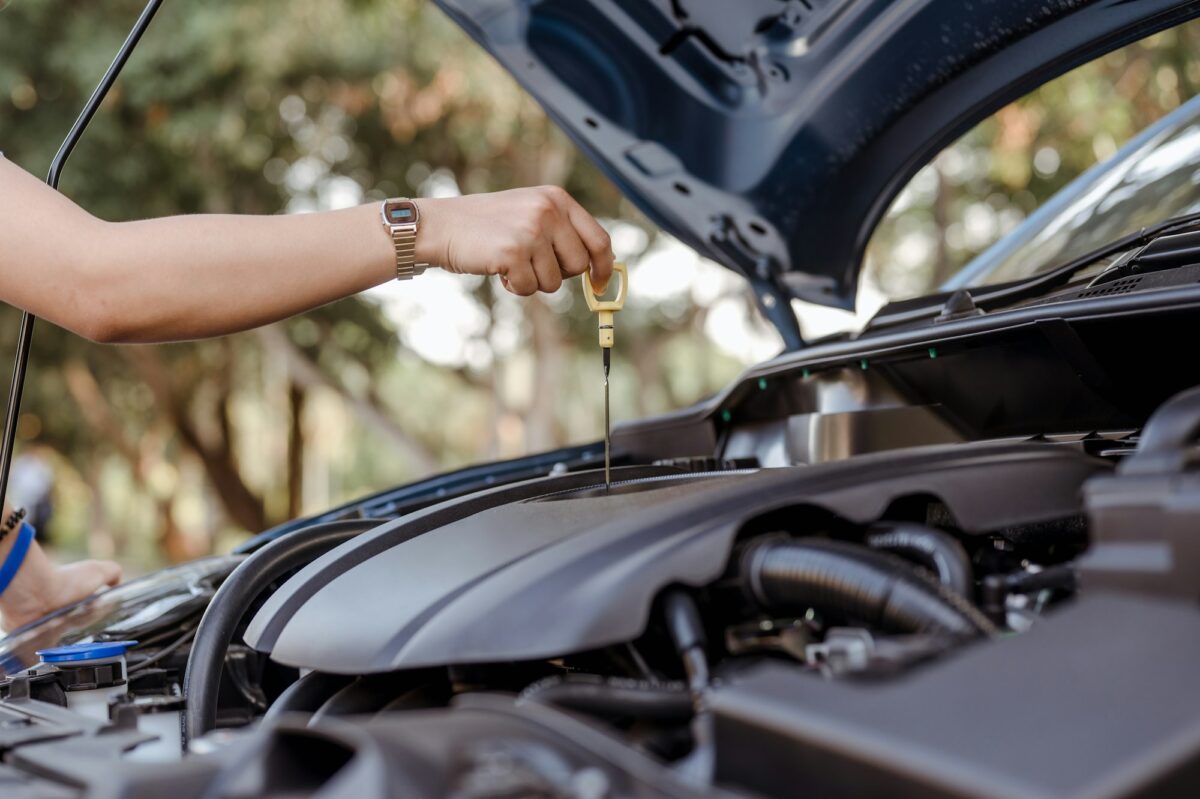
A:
(762, 271)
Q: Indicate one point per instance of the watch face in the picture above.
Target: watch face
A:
(403, 212)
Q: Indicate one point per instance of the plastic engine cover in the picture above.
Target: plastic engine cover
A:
(515, 582)
(557, 573)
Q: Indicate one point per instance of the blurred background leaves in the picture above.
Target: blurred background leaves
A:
(163, 453)
(982, 186)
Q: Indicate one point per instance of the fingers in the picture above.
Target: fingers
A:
(78, 580)
(533, 238)
(547, 269)
(571, 255)
(108, 572)
(594, 237)
(92, 575)
(521, 280)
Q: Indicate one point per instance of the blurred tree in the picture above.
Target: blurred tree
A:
(294, 106)
(984, 184)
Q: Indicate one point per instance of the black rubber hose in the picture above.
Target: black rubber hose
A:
(849, 580)
(307, 694)
(687, 633)
(938, 551)
(375, 693)
(202, 679)
(613, 698)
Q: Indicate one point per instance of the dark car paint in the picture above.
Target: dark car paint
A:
(445, 485)
(129, 611)
(772, 136)
(1117, 353)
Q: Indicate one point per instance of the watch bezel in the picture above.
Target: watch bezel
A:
(388, 205)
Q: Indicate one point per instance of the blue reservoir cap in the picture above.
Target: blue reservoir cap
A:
(77, 652)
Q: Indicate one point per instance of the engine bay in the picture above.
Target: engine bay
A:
(872, 572)
(904, 622)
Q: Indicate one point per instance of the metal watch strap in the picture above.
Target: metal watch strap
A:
(404, 239)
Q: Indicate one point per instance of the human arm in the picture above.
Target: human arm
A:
(41, 586)
(187, 277)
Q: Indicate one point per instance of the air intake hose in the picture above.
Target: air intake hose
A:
(613, 698)
(851, 581)
(934, 549)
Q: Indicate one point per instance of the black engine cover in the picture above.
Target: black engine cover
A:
(562, 572)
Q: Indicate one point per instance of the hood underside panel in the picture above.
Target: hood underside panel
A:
(771, 135)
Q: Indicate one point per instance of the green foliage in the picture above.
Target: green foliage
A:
(265, 107)
(990, 179)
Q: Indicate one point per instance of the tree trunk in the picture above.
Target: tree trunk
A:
(542, 429)
(942, 267)
(551, 165)
(296, 397)
(94, 408)
(307, 374)
(242, 505)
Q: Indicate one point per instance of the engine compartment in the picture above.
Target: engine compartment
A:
(561, 572)
(904, 622)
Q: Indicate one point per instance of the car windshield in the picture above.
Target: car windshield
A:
(1155, 177)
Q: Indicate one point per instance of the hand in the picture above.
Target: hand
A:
(40, 586)
(532, 238)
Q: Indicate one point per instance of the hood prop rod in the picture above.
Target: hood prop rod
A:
(17, 387)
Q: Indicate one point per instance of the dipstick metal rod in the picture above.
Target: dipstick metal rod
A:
(607, 359)
(605, 311)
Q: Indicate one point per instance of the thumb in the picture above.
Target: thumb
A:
(78, 580)
(108, 572)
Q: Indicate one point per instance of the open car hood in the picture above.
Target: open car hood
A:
(771, 135)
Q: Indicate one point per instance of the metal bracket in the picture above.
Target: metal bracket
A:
(762, 272)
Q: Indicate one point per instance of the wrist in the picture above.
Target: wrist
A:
(431, 243)
(30, 594)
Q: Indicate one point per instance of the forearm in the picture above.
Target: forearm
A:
(16, 601)
(23, 599)
(6, 544)
(185, 276)
(196, 276)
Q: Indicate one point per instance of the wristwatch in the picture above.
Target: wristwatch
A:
(401, 219)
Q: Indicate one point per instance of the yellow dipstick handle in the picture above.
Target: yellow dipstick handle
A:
(606, 308)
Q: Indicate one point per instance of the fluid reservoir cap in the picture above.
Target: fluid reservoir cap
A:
(74, 653)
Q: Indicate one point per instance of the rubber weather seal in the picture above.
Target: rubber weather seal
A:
(637, 483)
(25, 336)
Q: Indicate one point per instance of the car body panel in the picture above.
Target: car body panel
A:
(126, 612)
(771, 136)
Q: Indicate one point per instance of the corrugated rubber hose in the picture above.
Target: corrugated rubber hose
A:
(936, 550)
(613, 697)
(852, 581)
